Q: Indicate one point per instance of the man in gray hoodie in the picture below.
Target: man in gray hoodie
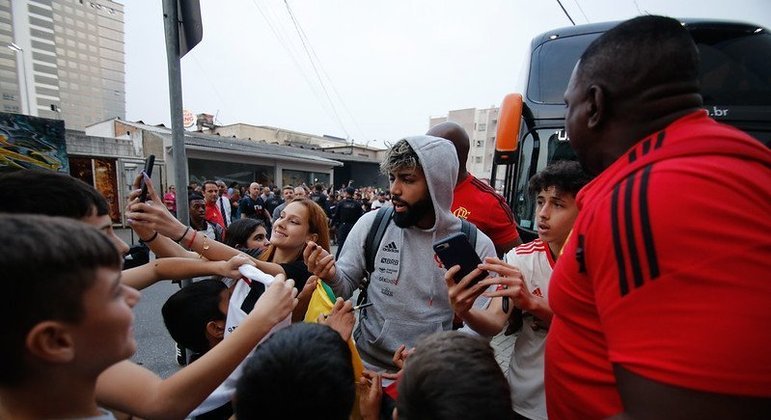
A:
(407, 287)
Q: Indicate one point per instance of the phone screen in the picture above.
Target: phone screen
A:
(149, 163)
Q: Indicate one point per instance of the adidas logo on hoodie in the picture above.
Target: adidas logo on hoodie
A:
(391, 247)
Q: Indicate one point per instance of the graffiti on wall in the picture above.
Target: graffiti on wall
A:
(28, 142)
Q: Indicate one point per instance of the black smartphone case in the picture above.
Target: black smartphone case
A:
(456, 250)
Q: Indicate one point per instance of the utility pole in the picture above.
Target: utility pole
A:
(171, 29)
(184, 15)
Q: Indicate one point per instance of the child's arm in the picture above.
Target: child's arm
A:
(137, 391)
(152, 216)
(181, 268)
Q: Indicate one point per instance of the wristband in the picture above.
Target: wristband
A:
(152, 238)
(183, 235)
(190, 244)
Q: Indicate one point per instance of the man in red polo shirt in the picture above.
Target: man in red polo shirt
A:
(476, 201)
(211, 193)
(662, 298)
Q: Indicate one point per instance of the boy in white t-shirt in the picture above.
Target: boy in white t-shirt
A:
(524, 281)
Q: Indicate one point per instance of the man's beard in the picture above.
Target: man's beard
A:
(414, 213)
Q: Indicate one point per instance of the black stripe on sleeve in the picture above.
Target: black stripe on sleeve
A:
(660, 139)
(650, 249)
(616, 230)
(632, 156)
(634, 257)
(646, 146)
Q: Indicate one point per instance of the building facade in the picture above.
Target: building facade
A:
(275, 135)
(217, 157)
(63, 59)
(481, 126)
(360, 162)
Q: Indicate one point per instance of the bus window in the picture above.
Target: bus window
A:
(734, 67)
(555, 147)
(551, 66)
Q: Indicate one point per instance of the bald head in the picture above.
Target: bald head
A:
(453, 132)
(254, 189)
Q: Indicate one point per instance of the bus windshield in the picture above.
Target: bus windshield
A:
(551, 66)
(733, 70)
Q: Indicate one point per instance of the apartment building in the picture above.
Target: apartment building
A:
(63, 59)
(481, 126)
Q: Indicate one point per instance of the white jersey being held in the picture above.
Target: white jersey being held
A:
(245, 294)
(526, 367)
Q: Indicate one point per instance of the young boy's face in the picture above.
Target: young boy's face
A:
(104, 223)
(105, 334)
(555, 212)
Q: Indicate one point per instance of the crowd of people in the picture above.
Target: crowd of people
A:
(634, 301)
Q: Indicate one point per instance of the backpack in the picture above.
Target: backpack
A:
(375, 236)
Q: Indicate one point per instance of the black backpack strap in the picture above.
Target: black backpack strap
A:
(371, 245)
(470, 231)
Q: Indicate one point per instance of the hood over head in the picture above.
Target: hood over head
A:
(440, 165)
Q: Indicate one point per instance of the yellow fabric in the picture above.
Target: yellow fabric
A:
(321, 303)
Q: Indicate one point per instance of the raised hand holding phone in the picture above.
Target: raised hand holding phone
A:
(149, 163)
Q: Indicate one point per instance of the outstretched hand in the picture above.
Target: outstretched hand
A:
(277, 302)
(304, 299)
(340, 319)
(319, 262)
(371, 393)
(400, 356)
(229, 268)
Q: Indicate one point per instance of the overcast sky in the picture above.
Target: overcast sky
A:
(386, 66)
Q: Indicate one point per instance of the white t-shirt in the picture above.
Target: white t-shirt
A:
(526, 367)
(235, 316)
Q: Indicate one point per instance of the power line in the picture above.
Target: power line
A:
(582, 10)
(315, 69)
(331, 83)
(286, 44)
(566, 13)
(208, 79)
(325, 104)
(637, 6)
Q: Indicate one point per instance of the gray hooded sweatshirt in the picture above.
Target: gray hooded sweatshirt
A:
(407, 287)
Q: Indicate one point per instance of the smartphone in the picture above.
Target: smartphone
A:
(456, 250)
(149, 163)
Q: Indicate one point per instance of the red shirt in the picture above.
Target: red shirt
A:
(478, 203)
(213, 214)
(666, 272)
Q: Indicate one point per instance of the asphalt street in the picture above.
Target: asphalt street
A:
(155, 348)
